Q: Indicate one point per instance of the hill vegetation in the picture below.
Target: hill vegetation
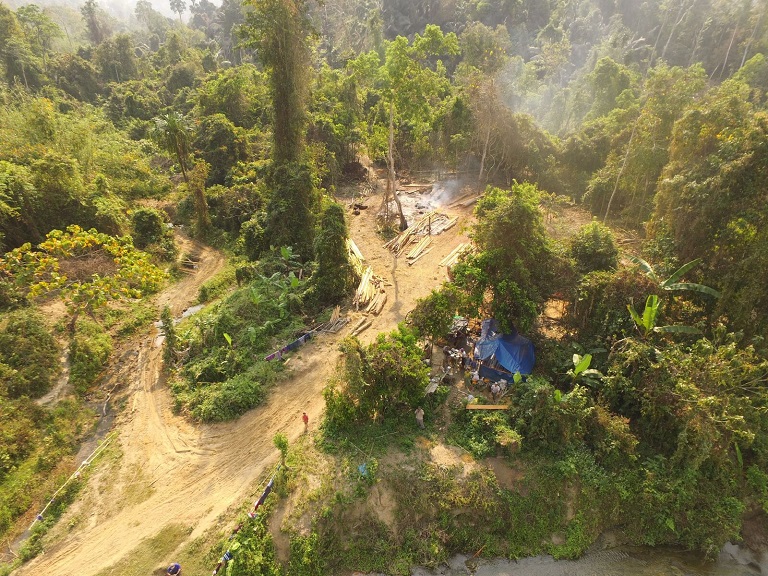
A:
(117, 133)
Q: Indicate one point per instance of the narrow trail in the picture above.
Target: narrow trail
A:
(175, 471)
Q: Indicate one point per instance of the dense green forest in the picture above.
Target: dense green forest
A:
(241, 124)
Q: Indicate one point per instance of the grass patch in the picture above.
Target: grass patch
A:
(48, 437)
(88, 354)
(224, 373)
(147, 557)
(127, 318)
(218, 285)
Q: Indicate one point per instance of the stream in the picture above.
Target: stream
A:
(620, 561)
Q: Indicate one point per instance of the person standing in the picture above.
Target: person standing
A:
(420, 417)
(305, 419)
(495, 389)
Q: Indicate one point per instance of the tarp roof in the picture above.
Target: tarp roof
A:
(513, 352)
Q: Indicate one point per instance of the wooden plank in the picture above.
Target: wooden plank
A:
(487, 406)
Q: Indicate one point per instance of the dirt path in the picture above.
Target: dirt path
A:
(173, 471)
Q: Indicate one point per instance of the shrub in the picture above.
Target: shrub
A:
(217, 285)
(334, 276)
(383, 378)
(29, 354)
(148, 226)
(88, 354)
(594, 248)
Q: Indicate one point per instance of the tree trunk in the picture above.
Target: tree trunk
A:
(728, 52)
(621, 170)
(485, 152)
(391, 166)
(751, 38)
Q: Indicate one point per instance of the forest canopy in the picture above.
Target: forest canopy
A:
(122, 132)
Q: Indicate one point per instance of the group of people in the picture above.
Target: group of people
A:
(457, 358)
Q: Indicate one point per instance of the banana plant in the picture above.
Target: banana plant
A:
(646, 323)
(672, 283)
(581, 372)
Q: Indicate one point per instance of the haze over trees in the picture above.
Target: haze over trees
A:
(242, 121)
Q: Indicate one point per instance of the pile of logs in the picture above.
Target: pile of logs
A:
(336, 323)
(419, 250)
(368, 291)
(432, 223)
(455, 254)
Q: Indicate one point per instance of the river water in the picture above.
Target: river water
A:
(621, 561)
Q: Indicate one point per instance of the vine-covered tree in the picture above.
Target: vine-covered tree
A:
(334, 276)
(279, 30)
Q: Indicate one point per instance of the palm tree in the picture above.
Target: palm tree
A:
(172, 132)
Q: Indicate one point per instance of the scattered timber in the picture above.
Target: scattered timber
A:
(356, 257)
(455, 254)
(364, 326)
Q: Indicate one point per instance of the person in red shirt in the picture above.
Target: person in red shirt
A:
(305, 419)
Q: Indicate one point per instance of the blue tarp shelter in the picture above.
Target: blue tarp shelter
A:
(502, 355)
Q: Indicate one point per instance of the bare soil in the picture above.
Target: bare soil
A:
(171, 471)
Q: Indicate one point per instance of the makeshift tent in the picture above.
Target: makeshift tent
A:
(502, 355)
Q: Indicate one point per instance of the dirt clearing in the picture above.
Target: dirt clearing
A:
(171, 472)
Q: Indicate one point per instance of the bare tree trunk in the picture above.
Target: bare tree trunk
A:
(728, 52)
(752, 37)
(391, 166)
(681, 16)
(621, 171)
(485, 152)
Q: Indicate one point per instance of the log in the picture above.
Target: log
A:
(380, 304)
(362, 328)
(413, 261)
(487, 406)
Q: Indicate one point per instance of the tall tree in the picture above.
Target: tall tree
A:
(95, 22)
(39, 28)
(178, 6)
(279, 30)
(173, 133)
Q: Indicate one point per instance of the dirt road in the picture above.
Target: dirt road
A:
(174, 471)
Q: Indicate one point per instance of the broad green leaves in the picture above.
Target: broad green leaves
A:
(671, 283)
(646, 323)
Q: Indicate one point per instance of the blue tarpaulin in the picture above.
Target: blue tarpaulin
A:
(503, 353)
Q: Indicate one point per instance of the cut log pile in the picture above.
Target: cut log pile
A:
(432, 223)
(370, 292)
(453, 257)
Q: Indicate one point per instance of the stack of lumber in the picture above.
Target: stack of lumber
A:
(335, 325)
(356, 257)
(455, 254)
(419, 250)
(369, 288)
(430, 223)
